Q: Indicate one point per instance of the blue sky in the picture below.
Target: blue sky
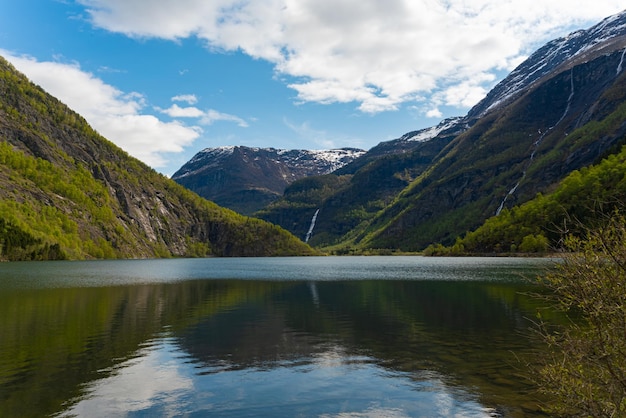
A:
(164, 79)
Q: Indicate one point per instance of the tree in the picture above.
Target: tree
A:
(585, 372)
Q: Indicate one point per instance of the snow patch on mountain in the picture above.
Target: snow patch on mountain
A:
(605, 37)
(316, 161)
(219, 152)
(429, 133)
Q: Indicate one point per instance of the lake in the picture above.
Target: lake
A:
(248, 337)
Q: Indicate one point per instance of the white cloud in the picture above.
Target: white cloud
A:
(211, 116)
(187, 98)
(377, 54)
(116, 115)
(207, 117)
(176, 111)
(434, 113)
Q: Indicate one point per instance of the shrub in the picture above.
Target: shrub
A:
(585, 372)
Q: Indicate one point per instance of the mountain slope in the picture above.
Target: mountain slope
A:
(68, 192)
(554, 57)
(510, 155)
(560, 110)
(584, 199)
(353, 195)
(247, 179)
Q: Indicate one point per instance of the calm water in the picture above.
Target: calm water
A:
(309, 337)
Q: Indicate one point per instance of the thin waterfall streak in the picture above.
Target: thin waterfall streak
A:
(569, 100)
(621, 61)
(313, 220)
(501, 205)
(542, 136)
(509, 194)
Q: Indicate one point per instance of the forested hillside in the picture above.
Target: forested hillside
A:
(585, 199)
(67, 192)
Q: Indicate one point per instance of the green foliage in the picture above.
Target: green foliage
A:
(68, 192)
(540, 225)
(585, 373)
(17, 244)
(533, 244)
(46, 221)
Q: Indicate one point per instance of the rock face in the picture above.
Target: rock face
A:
(64, 186)
(560, 110)
(247, 179)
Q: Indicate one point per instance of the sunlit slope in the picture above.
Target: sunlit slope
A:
(563, 124)
(442, 188)
(586, 198)
(67, 192)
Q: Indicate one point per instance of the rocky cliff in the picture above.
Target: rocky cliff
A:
(66, 187)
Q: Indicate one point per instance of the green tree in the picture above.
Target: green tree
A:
(534, 244)
(585, 373)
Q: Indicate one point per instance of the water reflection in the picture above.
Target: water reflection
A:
(139, 384)
(272, 348)
(329, 384)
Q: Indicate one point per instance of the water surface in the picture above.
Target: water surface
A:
(311, 337)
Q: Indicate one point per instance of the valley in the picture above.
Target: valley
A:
(559, 111)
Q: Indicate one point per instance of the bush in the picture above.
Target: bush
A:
(585, 372)
(534, 244)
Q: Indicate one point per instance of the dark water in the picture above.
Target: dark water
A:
(309, 337)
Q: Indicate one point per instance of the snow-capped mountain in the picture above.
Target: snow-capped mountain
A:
(412, 141)
(313, 161)
(556, 56)
(560, 110)
(246, 179)
(451, 124)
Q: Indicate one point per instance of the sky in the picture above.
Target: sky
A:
(164, 79)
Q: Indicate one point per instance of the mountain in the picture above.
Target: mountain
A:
(556, 56)
(560, 110)
(247, 179)
(586, 198)
(408, 142)
(354, 194)
(67, 192)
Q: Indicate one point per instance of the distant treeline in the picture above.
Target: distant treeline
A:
(16, 245)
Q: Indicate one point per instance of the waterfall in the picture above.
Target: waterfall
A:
(542, 135)
(308, 234)
(621, 61)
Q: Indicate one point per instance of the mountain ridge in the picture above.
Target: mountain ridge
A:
(65, 187)
(247, 179)
(553, 57)
(513, 144)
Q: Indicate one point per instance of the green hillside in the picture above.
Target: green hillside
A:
(528, 147)
(584, 199)
(352, 197)
(67, 192)
(442, 188)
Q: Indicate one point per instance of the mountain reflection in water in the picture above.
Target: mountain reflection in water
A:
(230, 347)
